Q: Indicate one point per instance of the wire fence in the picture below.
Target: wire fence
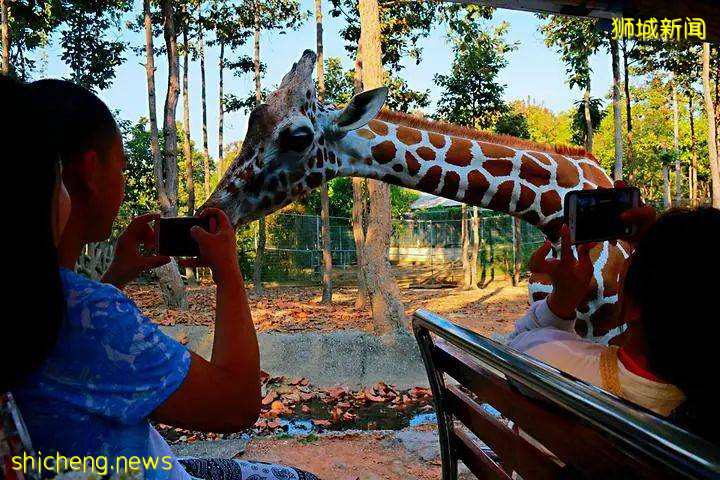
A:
(293, 251)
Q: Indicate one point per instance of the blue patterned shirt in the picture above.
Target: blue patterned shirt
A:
(111, 367)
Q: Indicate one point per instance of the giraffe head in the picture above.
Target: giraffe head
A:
(285, 152)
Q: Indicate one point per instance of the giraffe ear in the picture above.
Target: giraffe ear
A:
(362, 108)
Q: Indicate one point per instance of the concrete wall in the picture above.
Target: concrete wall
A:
(346, 357)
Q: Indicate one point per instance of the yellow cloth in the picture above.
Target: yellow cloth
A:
(609, 372)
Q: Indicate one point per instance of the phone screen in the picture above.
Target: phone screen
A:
(594, 215)
(174, 238)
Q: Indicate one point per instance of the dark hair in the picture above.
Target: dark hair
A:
(673, 278)
(36, 285)
(81, 121)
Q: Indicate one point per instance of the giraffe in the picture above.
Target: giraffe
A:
(294, 143)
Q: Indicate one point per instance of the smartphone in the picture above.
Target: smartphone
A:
(594, 215)
(174, 238)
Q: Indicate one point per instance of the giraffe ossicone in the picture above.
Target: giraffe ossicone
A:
(294, 143)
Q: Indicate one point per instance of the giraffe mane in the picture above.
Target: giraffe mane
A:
(423, 123)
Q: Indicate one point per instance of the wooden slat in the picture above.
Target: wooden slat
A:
(516, 452)
(475, 459)
(566, 436)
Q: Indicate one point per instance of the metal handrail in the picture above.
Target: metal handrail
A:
(639, 430)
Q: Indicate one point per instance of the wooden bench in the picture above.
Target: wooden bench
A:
(503, 413)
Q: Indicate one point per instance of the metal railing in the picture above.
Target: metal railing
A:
(629, 426)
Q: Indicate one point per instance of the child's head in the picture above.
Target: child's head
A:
(90, 145)
(672, 281)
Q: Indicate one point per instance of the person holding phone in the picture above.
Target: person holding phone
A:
(670, 311)
(111, 369)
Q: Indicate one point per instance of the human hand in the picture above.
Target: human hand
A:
(642, 218)
(570, 276)
(129, 262)
(218, 248)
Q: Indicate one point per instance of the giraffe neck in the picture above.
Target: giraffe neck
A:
(506, 175)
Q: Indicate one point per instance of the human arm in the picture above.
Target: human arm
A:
(128, 260)
(222, 394)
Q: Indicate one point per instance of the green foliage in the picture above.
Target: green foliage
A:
(472, 95)
(402, 25)
(653, 137)
(513, 123)
(140, 192)
(89, 48)
(575, 39)
(340, 85)
(88, 31)
(544, 126)
(579, 126)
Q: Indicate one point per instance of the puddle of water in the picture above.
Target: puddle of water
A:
(373, 416)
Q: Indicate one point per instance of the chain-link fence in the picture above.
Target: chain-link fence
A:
(431, 243)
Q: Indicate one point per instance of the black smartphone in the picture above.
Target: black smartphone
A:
(174, 238)
(594, 215)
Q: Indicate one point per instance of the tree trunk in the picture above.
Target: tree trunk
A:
(692, 177)
(387, 308)
(517, 249)
(168, 275)
(465, 248)
(358, 215)
(189, 184)
(358, 209)
(588, 120)
(221, 112)
(617, 115)
(676, 145)
(260, 250)
(628, 110)
(667, 202)
(324, 195)
(206, 151)
(712, 131)
(5, 37)
(475, 248)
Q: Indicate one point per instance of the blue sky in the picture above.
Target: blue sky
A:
(534, 71)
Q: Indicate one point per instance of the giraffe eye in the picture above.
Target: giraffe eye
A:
(297, 139)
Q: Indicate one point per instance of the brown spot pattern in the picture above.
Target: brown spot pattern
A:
(408, 136)
(476, 188)
(365, 133)
(550, 202)
(431, 180)
(450, 187)
(437, 140)
(391, 179)
(384, 152)
(494, 150)
(378, 127)
(531, 217)
(413, 165)
(567, 172)
(533, 173)
(595, 175)
(314, 179)
(501, 200)
(397, 167)
(540, 157)
(498, 168)
(459, 152)
(527, 197)
(426, 153)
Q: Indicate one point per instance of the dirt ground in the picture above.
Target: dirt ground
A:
(294, 309)
(349, 458)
